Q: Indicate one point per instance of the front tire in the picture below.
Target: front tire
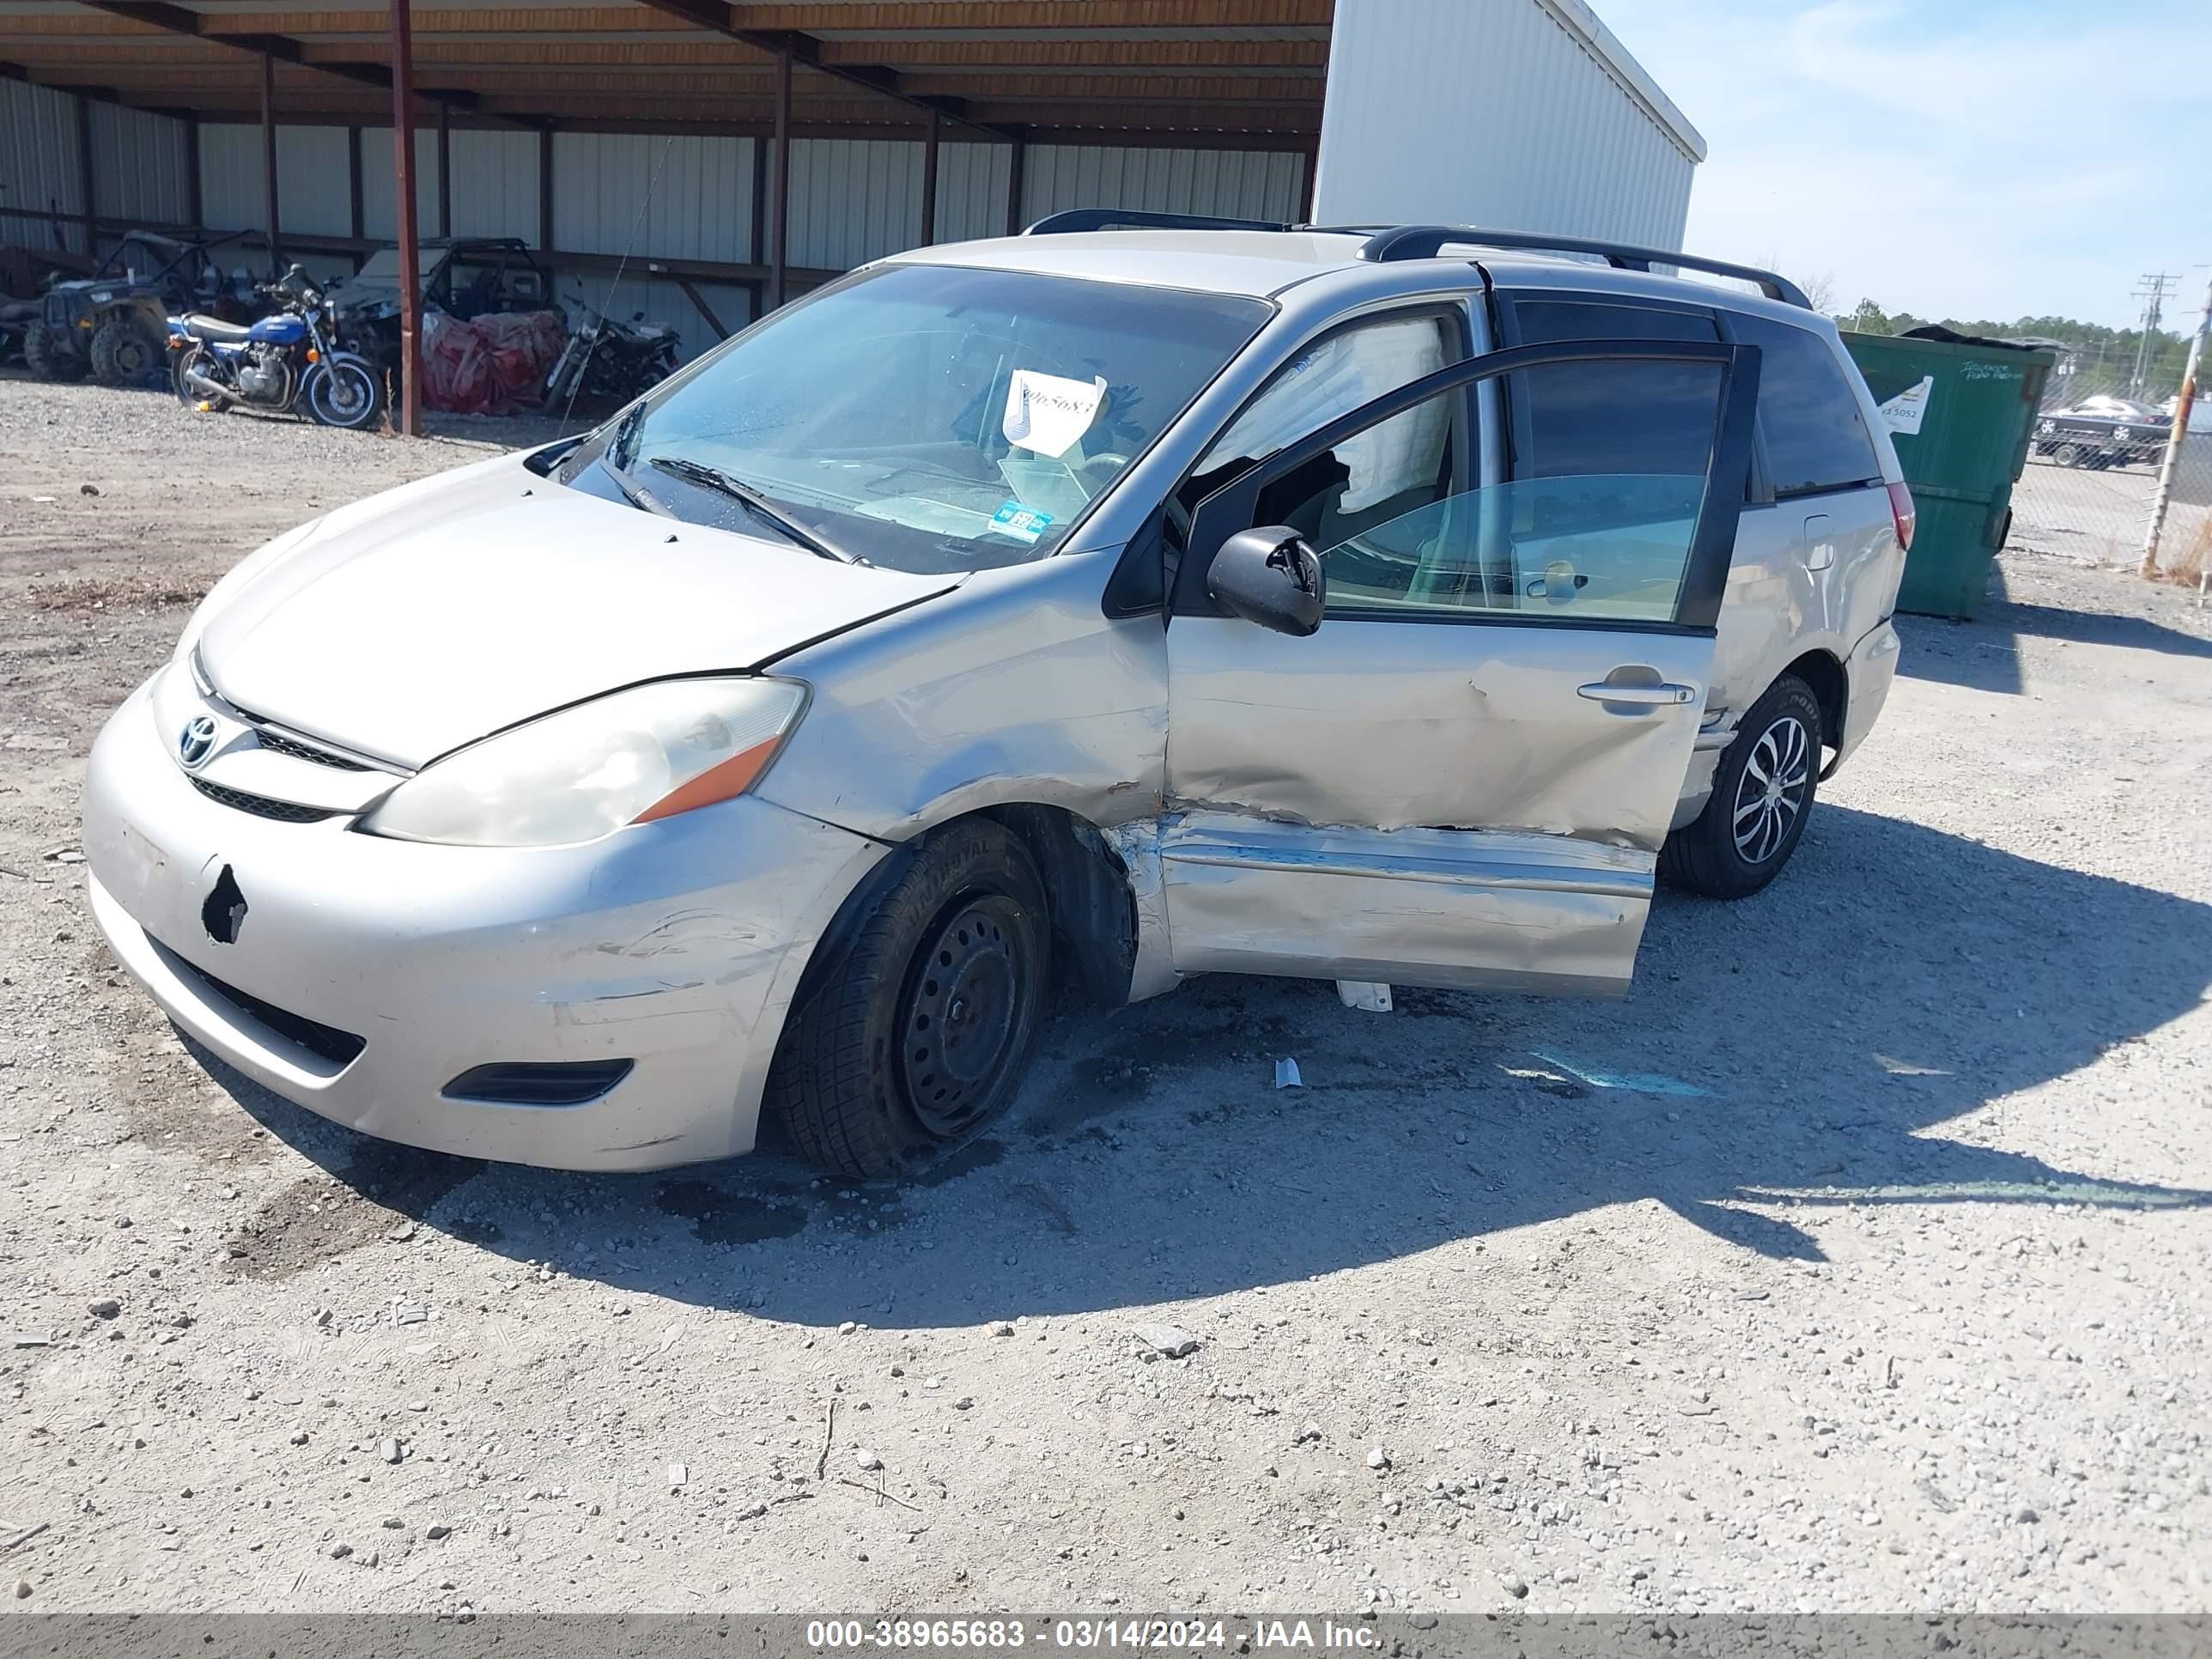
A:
(44, 357)
(341, 394)
(916, 1035)
(1762, 795)
(124, 352)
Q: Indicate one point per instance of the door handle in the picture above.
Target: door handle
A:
(1644, 696)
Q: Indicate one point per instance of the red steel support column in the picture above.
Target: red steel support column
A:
(445, 168)
(353, 222)
(409, 389)
(193, 205)
(779, 225)
(929, 147)
(87, 192)
(545, 185)
(268, 159)
(1014, 183)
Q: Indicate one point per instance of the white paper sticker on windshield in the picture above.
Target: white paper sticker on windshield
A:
(1047, 413)
(1904, 412)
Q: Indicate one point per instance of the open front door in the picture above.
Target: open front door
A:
(1463, 776)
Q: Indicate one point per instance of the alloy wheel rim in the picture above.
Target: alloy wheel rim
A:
(1770, 797)
(963, 1015)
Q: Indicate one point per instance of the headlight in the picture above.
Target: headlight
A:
(649, 752)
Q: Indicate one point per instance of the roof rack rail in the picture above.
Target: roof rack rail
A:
(1122, 218)
(1423, 241)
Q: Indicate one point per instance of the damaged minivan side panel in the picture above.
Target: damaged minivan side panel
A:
(1016, 689)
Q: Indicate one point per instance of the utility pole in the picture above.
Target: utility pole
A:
(2174, 442)
(2152, 292)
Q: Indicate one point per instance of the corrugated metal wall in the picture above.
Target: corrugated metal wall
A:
(1497, 114)
(39, 162)
(1234, 184)
(377, 218)
(494, 184)
(140, 166)
(685, 197)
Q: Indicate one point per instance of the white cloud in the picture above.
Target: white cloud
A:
(1979, 158)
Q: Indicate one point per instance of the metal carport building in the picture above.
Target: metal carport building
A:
(718, 155)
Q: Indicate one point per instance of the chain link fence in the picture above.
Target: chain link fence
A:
(2094, 455)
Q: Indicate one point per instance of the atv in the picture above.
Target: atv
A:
(113, 323)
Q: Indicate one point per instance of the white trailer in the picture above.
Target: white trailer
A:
(1517, 115)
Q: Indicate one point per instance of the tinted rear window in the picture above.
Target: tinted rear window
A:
(1815, 437)
(1542, 321)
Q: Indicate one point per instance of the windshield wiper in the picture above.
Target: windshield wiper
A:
(710, 477)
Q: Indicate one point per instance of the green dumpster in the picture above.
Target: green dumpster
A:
(1960, 412)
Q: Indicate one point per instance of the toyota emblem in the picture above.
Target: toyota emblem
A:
(198, 742)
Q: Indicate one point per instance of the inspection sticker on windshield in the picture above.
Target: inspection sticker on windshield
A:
(1047, 413)
(1022, 523)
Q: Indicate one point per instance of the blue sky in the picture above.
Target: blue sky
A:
(1970, 158)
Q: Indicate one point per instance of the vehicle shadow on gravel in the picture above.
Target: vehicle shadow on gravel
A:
(1984, 654)
(1779, 1057)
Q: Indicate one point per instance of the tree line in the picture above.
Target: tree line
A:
(2096, 359)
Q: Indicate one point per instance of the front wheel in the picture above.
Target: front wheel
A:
(1762, 795)
(916, 1035)
(341, 394)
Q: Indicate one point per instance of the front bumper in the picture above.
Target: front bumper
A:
(677, 945)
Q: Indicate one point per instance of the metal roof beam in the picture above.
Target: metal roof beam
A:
(806, 50)
(282, 48)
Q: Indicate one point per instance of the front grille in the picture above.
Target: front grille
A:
(339, 1048)
(298, 750)
(285, 811)
(539, 1083)
(58, 311)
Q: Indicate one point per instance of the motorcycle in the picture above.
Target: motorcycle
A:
(607, 363)
(286, 360)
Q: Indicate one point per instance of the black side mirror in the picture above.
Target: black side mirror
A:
(1270, 576)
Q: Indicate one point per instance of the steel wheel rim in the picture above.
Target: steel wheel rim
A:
(1770, 796)
(964, 1013)
(133, 356)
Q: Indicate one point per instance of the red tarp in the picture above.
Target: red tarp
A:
(493, 365)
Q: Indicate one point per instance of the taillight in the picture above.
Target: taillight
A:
(1902, 510)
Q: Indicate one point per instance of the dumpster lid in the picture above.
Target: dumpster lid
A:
(1952, 336)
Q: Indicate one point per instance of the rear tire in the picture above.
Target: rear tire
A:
(869, 1079)
(44, 357)
(194, 356)
(2068, 454)
(124, 353)
(1762, 796)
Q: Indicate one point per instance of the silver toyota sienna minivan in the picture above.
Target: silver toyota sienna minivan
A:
(1097, 606)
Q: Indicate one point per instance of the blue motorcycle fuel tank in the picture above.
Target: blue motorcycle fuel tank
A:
(283, 328)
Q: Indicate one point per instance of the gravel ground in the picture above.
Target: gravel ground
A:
(1857, 1261)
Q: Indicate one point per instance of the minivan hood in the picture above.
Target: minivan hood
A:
(422, 619)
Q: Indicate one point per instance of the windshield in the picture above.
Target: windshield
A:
(930, 418)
